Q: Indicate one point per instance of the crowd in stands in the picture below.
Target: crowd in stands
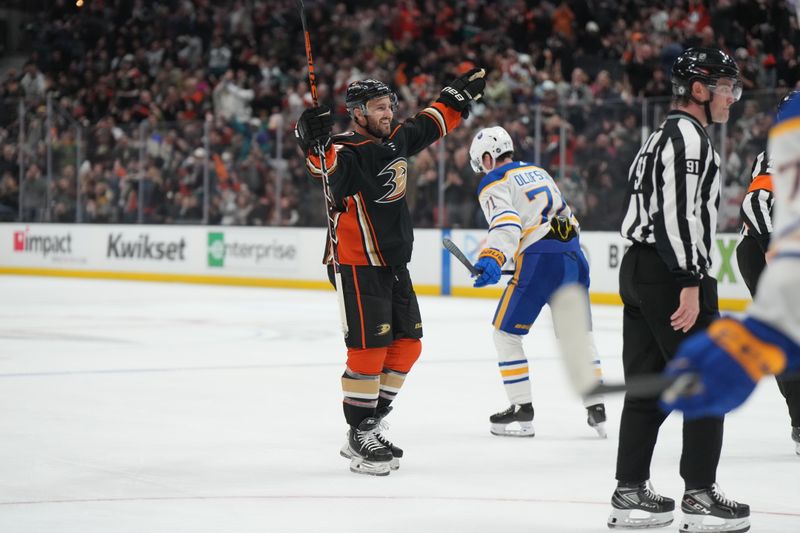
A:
(181, 111)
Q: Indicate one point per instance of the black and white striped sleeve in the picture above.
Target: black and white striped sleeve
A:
(757, 205)
(761, 166)
(757, 211)
(687, 208)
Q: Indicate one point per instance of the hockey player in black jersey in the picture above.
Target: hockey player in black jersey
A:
(367, 172)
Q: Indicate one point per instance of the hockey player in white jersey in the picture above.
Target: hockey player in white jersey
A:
(531, 226)
(732, 355)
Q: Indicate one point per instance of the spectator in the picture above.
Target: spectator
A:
(232, 101)
(9, 197)
(33, 82)
(34, 195)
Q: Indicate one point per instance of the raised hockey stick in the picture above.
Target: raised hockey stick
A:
(329, 202)
(570, 309)
(458, 254)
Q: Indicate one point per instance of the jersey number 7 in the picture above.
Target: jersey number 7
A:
(538, 191)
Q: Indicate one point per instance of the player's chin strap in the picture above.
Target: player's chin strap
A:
(706, 105)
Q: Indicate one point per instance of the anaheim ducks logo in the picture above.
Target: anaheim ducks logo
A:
(383, 329)
(397, 172)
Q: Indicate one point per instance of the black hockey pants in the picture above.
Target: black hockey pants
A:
(650, 295)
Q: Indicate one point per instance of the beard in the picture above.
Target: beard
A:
(376, 130)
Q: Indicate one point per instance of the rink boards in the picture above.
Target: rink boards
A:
(288, 257)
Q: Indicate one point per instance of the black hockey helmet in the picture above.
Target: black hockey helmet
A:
(706, 65)
(362, 91)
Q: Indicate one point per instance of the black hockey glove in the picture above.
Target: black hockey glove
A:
(464, 90)
(314, 128)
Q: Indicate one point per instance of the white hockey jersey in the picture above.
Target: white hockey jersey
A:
(519, 200)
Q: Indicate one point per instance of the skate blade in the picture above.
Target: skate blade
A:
(707, 524)
(797, 448)
(359, 466)
(625, 519)
(345, 452)
(507, 430)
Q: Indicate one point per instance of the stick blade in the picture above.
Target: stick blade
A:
(570, 309)
(458, 254)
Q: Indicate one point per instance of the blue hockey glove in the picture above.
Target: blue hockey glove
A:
(729, 358)
(489, 263)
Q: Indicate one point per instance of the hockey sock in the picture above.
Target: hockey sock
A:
(391, 381)
(513, 366)
(400, 357)
(598, 372)
(360, 395)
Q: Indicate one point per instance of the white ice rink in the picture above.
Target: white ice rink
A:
(144, 407)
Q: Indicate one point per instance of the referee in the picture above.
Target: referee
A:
(751, 256)
(671, 218)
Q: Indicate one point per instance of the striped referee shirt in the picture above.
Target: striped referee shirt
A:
(757, 204)
(673, 196)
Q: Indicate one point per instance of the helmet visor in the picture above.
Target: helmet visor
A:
(727, 87)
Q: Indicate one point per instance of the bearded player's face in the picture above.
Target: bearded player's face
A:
(379, 116)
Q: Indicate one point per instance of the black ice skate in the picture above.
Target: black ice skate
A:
(596, 418)
(366, 453)
(503, 422)
(640, 507)
(708, 509)
(796, 439)
(380, 434)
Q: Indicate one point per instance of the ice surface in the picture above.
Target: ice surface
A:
(144, 407)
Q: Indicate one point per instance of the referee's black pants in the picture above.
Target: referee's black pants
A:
(751, 263)
(650, 296)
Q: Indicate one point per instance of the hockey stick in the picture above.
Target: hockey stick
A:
(570, 309)
(329, 202)
(456, 251)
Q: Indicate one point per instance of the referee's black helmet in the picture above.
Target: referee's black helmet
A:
(706, 65)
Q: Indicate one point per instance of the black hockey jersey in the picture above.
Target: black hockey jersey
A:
(368, 179)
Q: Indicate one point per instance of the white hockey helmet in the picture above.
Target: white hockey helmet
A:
(494, 141)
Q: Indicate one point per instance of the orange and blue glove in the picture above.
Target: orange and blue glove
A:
(729, 358)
